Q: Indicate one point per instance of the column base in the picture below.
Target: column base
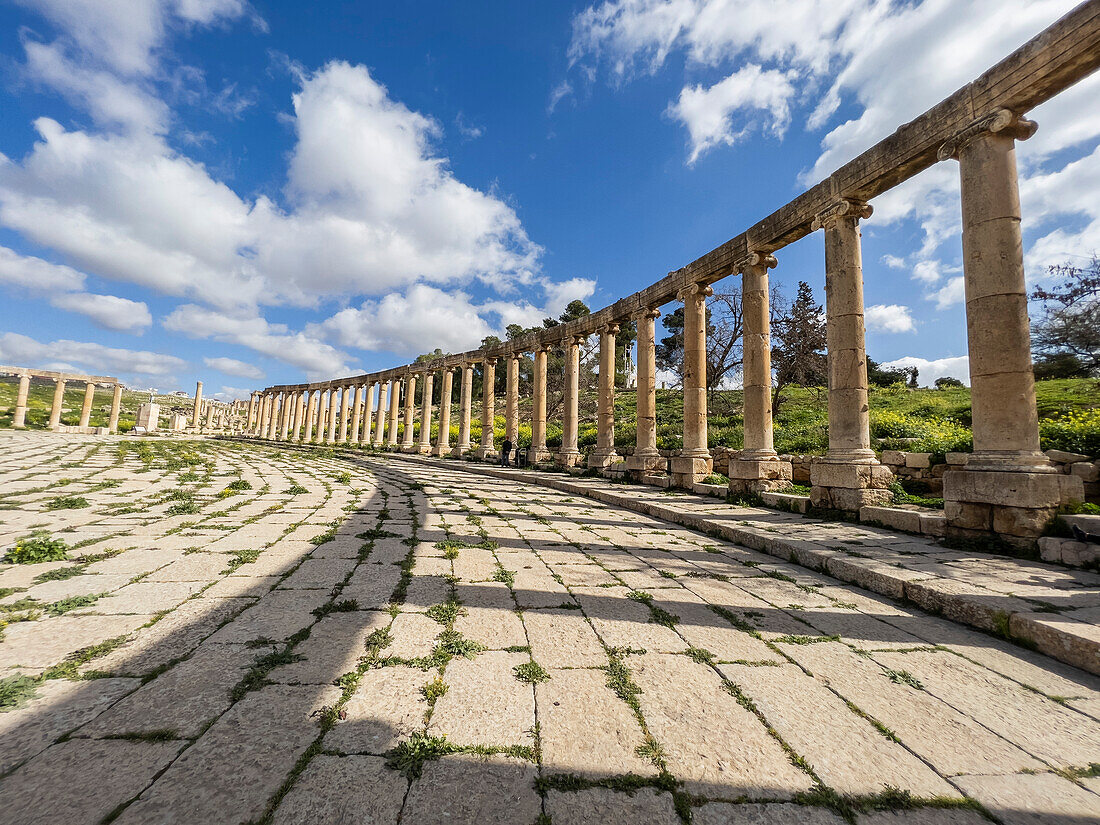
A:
(460, 449)
(759, 475)
(487, 454)
(1015, 506)
(410, 448)
(689, 470)
(440, 450)
(539, 455)
(843, 486)
(600, 460)
(567, 458)
(423, 449)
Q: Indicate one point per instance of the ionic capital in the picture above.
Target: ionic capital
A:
(609, 329)
(492, 362)
(998, 122)
(646, 314)
(757, 259)
(694, 290)
(840, 209)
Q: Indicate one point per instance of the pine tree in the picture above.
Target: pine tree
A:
(798, 345)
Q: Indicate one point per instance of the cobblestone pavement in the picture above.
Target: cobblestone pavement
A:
(246, 634)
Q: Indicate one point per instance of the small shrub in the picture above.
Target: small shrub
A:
(531, 672)
(67, 503)
(36, 549)
(16, 691)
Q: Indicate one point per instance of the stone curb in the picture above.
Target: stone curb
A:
(1062, 638)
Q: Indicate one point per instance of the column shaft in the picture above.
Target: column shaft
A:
(356, 413)
(694, 461)
(116, 407)
(368, 409)
(443, 439)
(311, 412)
(195, 419)
(19, 419)
(511, 401)
(410, 396)
(488, 407)
(333, 413)
(86, 409)
(464, 410)
(604, 454)
(757, 363)
(425, 444)
(380, 424)
(395, 412)
(538, 408)
(250, 422)
(569, 453)
(287, 406)
(345, 410)
(646, 456)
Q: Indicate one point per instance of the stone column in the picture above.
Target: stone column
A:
(250, 421)
(757, 467)
(271, 427)
(538, 451)
(463, 445)
(86, 409)
(356, 414)
(345, 412)
(334, 395)
(443, 439)
(195, 420)
(19, 419)
(299, 410)
(604, 454)
(849, 476)
(410, 396)
(265, 415)
(323, 400)
(311, 412)
(395, 412)
(646, 458)
(58, 402)
(261, 400)
(569, 454)
(425, 444)
(511, 402)
(488, 408)
(380, 424)
(694, 462)
(210, 416)
(287, 405)
(116, 406)
(368, 409)
(1008, 485)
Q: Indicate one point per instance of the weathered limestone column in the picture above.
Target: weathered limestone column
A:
(261, 400)
(410, 396)
(849, 476)
(647, 458)
(324, 400)
(757, 467)
(299, 410)
(368, 410)
(1008, 485)
(333, 412)
(694, 461)
(356, 414)
(265, 416)
(311, 411)
(210, 417)
(116, 407)
(287, 410)
(488, 408)
(463, 445)
(86, 409)
(511, 402)
(250, 421)
(345, 411)
(443, 439)
(195, 420)
(425, 444)
(380, 425)
(604, 454)
(58, 402)
(569, 454)
(271, 425)
(395, 412)
(19, 419)
(538, 451)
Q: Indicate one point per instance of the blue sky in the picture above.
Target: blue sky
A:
(261, 193)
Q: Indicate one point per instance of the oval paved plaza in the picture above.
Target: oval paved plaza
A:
(248, 634)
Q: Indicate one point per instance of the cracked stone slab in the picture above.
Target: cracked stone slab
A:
(86, 780)
(333, 648)
(278, 615)
(464, 789)
(350, 789)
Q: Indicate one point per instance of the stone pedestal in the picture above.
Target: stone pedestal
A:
(177, 423)
(687, 470)
(839, 485)
(1017, 506)
(148, 416)
(758, 475)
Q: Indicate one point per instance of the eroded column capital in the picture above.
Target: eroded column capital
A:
(646, 313)
(998, 122)
(764, 259)
(693, 290)
(609, 329)
(840, 209)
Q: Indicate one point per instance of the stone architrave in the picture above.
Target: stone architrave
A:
(757, 467)
(443, 438)
(1008, 485)
(464, 404)
(19, 418)
(604, 454)
(570, 455)
(538, 451)
(424, 447)
(116, 408)
(849, 476)
(694, 461)
(356, 414)
(647, 458)
(410, 397)
(197, 412)
(488, 409)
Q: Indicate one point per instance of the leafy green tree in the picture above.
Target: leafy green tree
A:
(1070, 321)
(798, 346)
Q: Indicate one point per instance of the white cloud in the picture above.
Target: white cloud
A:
(951, 293)
(96, 359)
(889, 318)
(560, 294)
(929, 371)
(36, 274)
(708, 113)
(317, 359)
(107, 311)
(231, 366)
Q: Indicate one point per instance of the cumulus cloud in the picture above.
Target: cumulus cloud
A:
(107, 311)
(951, 293)
(36, 274)
(93, 358)
(889, 318)
(929, 371)
(231, 366)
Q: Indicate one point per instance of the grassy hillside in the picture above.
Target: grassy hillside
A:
(40, 399)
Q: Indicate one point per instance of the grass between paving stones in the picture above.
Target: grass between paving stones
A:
(657, 615)
(890, 799)
(239, 557)
(903, 677)
(531, 672)
(37, 548)
(16, 691)
(67, 503)
(63, 606)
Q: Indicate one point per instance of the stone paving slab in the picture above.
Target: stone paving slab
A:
(350, 789)
(333, 648)
(1033, 800)
(386, 708)
(724, 813)
(48, 641)
(563, 638)
(463, 789)
(600, 806)
(485, 704)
